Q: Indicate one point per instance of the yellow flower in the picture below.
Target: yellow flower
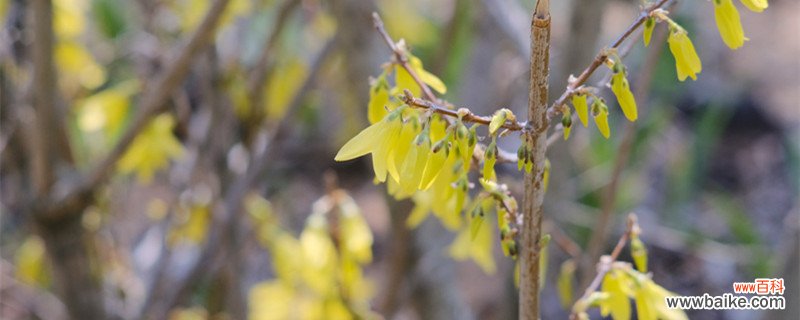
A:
(566, 123)
(377, 139)
(404, 80)
(755, 5)
(477, 248)
(687, 62)
(378, 101)
(581, 108)
(621, 88)
(617, 303)
(152, 149)
(649, 25)
(600, 111)
(729, 24)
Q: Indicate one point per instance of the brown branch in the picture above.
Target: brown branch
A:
(400, 56)
(530, 246)
(601, 57)
(562, 239)
(43, 96)
(604, 265)
(465, 114)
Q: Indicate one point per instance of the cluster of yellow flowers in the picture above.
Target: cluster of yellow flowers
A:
(619, 285)
(318, 275)
(427, 157)
(423, 156)
(687, 63)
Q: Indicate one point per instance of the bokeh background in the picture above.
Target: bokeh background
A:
(711, 167)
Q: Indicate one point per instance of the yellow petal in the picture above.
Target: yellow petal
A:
(621, 89)
(644, 308)
(478, 249)
(363, 143)
(414, 166)
(755, 5)
(378, 101)
(566, 279)
(649, 25)
(433, 166)
(428, 78)
(383, 152)
(488, 167)
(617, 303)
(729, 23)
(356, 236)
(404, 80)
(581, 108)
(687, 62)
(601, 119)
(399, 150)
(639, 254)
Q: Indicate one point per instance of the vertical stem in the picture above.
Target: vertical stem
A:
(536, 138)
(43, 96)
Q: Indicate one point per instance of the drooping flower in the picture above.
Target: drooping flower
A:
(687, 62)
(755, 5)
(581, 108)
(600, 111)
(729, 23)
(649, 25)
(621, 89)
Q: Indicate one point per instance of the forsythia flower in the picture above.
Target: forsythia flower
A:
(729, 24)
(477, 247)
(621, 89)
(687, 62)
(581, 108)
(152, 149)
(377, 139)
(755, 5)
(404, 80)
(600, 111)
(649, 25)
(617, 303)
(378, 100)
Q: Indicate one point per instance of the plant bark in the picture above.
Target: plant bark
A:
(536, 138)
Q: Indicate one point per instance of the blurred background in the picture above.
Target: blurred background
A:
(711, 167)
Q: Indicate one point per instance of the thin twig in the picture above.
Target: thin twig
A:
(401, 58)
(604, 265)
(464, 113)
(562, 239)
